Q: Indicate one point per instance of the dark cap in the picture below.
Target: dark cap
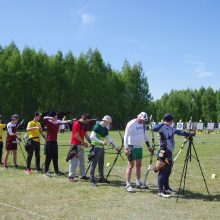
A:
(167, 117)
(85, 116)
(52, 113)
(14, 117)
(37, 113)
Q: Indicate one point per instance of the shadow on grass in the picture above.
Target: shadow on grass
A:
(198, 196)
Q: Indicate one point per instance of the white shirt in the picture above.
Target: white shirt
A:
(134, 134)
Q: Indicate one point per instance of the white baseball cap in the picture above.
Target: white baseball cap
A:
(107, 118)
(142, 116)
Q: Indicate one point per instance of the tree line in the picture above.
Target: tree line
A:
(32, 80)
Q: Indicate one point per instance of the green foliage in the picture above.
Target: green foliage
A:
(33, 81)
(200, 104)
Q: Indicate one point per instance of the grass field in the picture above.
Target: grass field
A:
(56, 198)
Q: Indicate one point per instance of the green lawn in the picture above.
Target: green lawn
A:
(56, 198)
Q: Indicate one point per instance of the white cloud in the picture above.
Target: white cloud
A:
(86, 19)
(200, 69)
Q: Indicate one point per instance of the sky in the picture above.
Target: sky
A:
(176, 41)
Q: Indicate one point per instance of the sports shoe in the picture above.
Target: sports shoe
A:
(170, 191)
(28, 171)
(47, 174)
(93, 184)
(71, 179)
(141, 186)
(84, 178)
(39, 170)
(163, 194)
(5, 167)
(129, 189)
(102, 180)
(58, 174)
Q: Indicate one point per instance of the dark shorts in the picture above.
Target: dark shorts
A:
(11, 146)
(136, 153)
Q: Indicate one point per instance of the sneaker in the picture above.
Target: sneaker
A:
(39, 170)
(163, 194)
(28, 171)
(93, 184)
(47, 174)
(5, 167)
(57, 174)
(102, 180)
(84, 178)
(141, 186)
(170, 191)
(129, 189)
(71, 179)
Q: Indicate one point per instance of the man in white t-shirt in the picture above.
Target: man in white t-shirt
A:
(134, 138)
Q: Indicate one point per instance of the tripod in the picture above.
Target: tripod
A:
(188, 158)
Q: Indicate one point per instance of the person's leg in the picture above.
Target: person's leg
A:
(138, 171)
(128, 172)
(55, 157)
(37, 155)
(7, 152)
(72, 167)
(167, 175)
(101, 164)
(81, 162)
(15, 157)
(29, 155)
(161, 178)
(48, 157)
(93, 164)
(1, 148)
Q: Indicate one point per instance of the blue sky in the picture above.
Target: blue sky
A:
(177, 41)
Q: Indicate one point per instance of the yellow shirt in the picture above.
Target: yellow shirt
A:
(1, 129)
(35, 132)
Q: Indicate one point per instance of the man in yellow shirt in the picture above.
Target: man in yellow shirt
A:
(34, 131)
(1, 142)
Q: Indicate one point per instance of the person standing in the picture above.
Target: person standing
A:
(51, 148)
(79, 132)
(11, 142)
(34, 131)
(134, 138)
(100, 137)
(166, 146)
(2, 126)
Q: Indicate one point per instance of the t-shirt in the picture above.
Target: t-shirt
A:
(11, 128)
(78, 127)
(1, 128)
(101, 133)
(134, 134)
(52, 130)
(32, 134)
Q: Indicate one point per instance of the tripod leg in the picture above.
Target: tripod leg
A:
(183, 173)
(88, 168)
(184, 179)
(181, 179)
(111, 167)
(197, 158)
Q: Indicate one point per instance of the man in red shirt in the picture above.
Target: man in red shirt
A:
(79, 131)
(51, 150)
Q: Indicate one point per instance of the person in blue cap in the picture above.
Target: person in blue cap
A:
(166, 146)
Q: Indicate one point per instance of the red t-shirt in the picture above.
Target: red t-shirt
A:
(78, 127)
(52, 130)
